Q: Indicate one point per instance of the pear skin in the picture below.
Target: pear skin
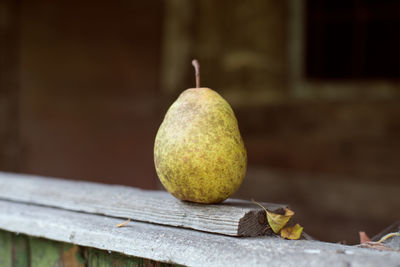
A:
(199, 153)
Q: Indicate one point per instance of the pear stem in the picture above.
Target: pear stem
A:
(196, 66)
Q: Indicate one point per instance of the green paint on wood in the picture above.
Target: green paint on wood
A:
(45, 253)
(66, 246)
(5, 249)
(20, 250)
(79, 257)
(72, 256)
(100, 258)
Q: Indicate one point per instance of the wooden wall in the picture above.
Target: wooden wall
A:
(84, 88)
(328, 148)
(9, 85)
(89, 76)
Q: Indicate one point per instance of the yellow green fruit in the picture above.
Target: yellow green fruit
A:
(198, 152)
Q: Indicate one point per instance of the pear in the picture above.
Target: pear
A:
(199, 153)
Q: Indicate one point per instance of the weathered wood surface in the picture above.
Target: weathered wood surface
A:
(342, 204)
(178, 245)
(6, 250)
(232, 217)
(19, 250)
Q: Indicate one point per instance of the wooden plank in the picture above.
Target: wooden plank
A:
(71, 256)
(232, 217)
(178, 245)
(5, 249)
(324, 201)
(20, 251)
(97, 257)
(44, 253)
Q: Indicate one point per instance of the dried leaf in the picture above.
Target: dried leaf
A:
(375, 245)
(363, 237)
(292, 232)
(278, 221)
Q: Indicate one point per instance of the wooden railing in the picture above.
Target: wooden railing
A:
(23, 250)
(53, 222)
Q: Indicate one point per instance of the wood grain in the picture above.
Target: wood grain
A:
(327, 201)
(96, 257)
(5, 249)
(44, 253)
(180, 246)
(20, 250)
(71, 256)
(232, 217)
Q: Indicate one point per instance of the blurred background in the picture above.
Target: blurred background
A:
(315, 86)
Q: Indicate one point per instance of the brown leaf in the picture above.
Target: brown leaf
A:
(363, 237)
(277, 221)
(292, 232)
(375, 245)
